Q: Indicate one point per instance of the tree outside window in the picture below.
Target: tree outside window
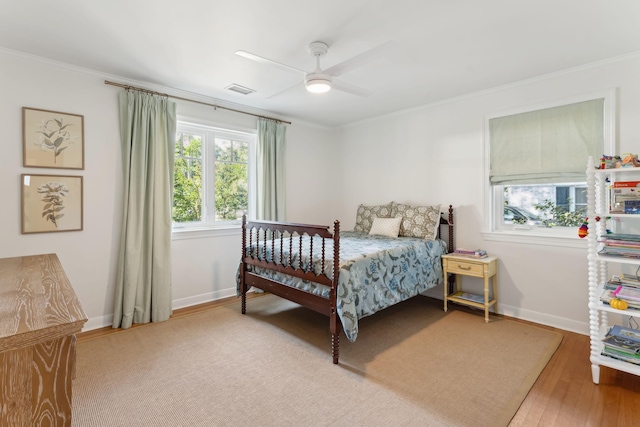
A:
(211, 176)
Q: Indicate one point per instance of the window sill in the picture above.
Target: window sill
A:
(526, 237)
(204, 232)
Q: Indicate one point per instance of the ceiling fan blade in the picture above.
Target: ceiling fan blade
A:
(349, 88)
(262, 60)
(359, 60)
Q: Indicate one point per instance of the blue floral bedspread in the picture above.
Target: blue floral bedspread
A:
(375, 272)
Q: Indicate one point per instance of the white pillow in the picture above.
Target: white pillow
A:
(386, 226)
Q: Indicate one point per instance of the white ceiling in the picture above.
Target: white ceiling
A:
(443, 49)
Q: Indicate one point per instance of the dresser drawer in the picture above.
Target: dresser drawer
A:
(462, 267)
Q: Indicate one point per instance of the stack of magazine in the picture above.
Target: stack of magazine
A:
(623, 344)
(470, 253)
(469, 297)
(620, 245)
(625, 287)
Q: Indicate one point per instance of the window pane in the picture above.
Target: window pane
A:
(545, 205)
(231, 175)
(189, 145)
(187, 192)
(223, 150)
(581, 196)
(240, 151)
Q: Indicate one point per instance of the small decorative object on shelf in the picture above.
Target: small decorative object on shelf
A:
(609, 188)
(628, 160)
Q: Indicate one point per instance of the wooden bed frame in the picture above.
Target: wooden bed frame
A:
(272, 234)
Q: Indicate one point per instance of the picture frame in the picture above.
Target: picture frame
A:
(51, 139)
(51, 203)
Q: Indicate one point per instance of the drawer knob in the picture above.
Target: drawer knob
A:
(464, 268)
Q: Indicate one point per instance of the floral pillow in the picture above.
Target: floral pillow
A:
(366, 214)
(418, 221)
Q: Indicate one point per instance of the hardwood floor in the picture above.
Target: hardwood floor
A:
(563, 395)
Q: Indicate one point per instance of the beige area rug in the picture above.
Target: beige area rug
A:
(412, 365)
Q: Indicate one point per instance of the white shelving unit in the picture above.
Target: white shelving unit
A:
(598, 206)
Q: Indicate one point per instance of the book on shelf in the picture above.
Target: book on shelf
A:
(631, 206)
(622, 344)
(626, 184)
(469, 297)
(627, 276)
(616, 281)
(620, 251)
(619, 355)
(627, 293)
(623, 192)
(607, 296)
(620, 243)
(620, 236)
(625, 332)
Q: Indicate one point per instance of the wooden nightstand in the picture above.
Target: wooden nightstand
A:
(486, 268)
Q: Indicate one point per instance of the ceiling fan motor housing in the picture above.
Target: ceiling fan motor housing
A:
(318, 48)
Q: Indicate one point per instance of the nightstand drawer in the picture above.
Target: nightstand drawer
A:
(455, 266)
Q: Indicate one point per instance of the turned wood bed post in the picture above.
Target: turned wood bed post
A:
(450, 248)
(243, 266)
(334, 320)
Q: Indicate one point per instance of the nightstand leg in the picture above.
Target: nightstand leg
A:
(486, 299)
(494, 281)
(446, 289)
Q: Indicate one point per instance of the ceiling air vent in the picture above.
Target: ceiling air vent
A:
(240, 89)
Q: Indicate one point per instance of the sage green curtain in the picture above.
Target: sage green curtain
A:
(270, 169)
(143, 287)
(550, 145)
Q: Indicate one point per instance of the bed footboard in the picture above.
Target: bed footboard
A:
(270, 245)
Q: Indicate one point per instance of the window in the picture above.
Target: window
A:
(536, 162)
(212, 176)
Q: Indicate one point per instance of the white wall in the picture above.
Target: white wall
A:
(429, 155)
(203, 268)
(87, 256)
(434, 154)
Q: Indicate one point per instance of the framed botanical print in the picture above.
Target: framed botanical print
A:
(51, 139)
(51, 203)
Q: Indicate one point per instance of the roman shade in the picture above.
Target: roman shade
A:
(550, 145)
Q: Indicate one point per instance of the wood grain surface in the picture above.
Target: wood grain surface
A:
(39, 317)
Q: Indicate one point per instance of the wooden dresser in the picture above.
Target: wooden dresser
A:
(39, 317)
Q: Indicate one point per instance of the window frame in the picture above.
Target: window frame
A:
(209, 131)
(493, 194)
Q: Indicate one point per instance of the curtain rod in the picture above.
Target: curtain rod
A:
(128, 87)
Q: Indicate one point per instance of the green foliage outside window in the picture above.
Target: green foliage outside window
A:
(557, 216)
(231, 179)
(231, 183)
(187, 188)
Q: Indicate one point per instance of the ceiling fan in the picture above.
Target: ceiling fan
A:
(319, 80)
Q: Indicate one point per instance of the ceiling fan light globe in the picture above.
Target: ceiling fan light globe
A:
(318, 86)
